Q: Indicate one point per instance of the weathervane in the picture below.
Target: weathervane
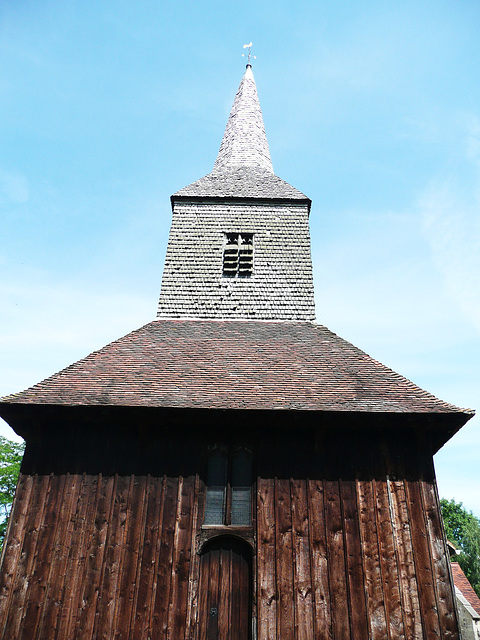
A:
(249, 47)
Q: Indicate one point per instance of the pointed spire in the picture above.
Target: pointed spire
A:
(243, 168)
(244, 142)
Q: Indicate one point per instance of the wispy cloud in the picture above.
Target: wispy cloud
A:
(450, 210)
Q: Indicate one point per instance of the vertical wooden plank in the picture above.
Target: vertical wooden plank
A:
(38, 578)
(40, 488)
(302, 575)
(336, 565)
(284, 560)
(266, 574)
(241, 592)
(423, 564)
(319, 561)
(77, 558)
(107, 598)
(353, 558)
(443, 586)
(13, 545)
(211, 613)
(149, 559)
(181, 559)
(246, 587)
(238, 592)
(371, 563)
(165, 561)
(204, 596)
(96, 558)
(225, 603)
(209, 616)
(192, 605)
(134, 533)
(406, 566)
(388, 562)
(139, 551)
(54, 598)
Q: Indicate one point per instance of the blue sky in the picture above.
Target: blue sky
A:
(371, 109)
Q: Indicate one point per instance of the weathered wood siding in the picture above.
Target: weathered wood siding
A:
(92, 556)
(98, 557)
(352, 559)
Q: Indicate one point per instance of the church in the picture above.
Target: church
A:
(231, 470)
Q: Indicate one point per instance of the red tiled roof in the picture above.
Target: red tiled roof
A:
(233, 365)
(463, 585)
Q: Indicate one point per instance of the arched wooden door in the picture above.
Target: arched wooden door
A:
(225, 590)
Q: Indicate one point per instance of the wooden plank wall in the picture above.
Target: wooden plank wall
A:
(98, 557)
(359, 559)
(92, 556)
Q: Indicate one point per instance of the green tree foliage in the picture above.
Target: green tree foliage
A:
(463, 529)
(11, 454)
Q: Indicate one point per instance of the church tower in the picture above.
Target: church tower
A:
(232, 470)
(239, 244)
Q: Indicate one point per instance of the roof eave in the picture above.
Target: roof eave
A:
(26, 418)
(241, 199)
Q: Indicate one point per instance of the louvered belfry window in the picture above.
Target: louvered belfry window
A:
(238, 255)
(229, 487)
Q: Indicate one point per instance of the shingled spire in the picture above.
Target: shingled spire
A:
(239, 245)
(243, 168)
(245, 142)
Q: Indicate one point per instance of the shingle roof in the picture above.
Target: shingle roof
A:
(245, 142)
(463, 585)
(242, 182)
(233, 365)
(243, 168)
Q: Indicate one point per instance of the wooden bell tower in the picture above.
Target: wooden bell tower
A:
(232, 470)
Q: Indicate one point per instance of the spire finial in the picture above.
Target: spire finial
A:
(249, 47)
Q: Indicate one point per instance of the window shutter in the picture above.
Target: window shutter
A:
(230, 256)
(238, 255)
(245, 256)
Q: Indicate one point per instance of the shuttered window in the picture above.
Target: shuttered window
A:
(229, 487)
(238, 255)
